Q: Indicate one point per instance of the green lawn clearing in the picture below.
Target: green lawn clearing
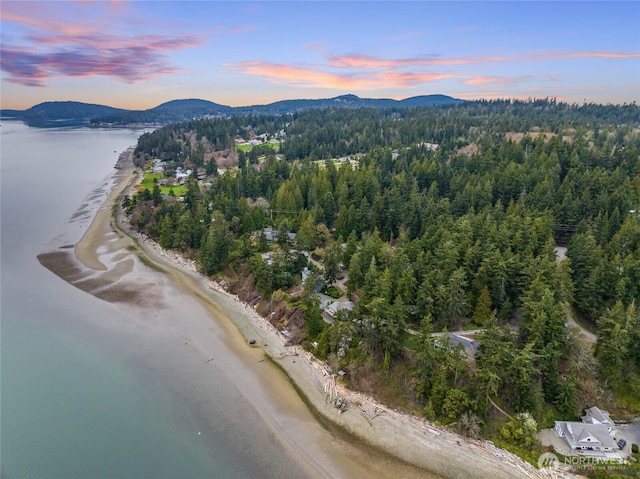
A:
(147, 183)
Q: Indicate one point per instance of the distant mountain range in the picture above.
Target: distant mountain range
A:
(60, 113)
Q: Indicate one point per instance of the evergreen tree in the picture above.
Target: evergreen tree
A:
(331, 262)
(217, 244)
(613, 343)
(306, 235)
(482, 314)
(155, 194)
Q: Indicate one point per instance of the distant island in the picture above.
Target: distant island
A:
(67, 113)
(60, 113)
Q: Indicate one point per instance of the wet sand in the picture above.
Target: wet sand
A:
(368, 440)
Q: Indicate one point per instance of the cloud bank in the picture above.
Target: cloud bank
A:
(56, 43)
(368, 72)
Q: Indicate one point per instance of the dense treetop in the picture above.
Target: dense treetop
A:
(442, 217)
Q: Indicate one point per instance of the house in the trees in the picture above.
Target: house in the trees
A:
(272, 235)
(306, 272)
(332, 309)
(595, 434)
(181, 175)
(158, 167)
(470, 346)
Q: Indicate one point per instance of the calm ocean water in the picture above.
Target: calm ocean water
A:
(79, 400)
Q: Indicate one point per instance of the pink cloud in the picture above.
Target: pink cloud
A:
(309, 77)
(53, 44)
(368, 72)
(609, 55)
(33, 69)
(102, 41)
(118, 6)
(398, 79)
(494, 81)
(366, 61)
(40, 16)
(372, 62)
(289, 74)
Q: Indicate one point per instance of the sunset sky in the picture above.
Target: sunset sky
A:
(136, 55)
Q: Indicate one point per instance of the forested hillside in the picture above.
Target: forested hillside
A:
(430, 220)
(60, 113)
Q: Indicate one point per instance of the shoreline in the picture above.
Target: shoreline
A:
(409, 438)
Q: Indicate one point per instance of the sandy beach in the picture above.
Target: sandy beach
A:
(367, 440)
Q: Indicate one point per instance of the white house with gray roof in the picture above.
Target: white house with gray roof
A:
(594, 434)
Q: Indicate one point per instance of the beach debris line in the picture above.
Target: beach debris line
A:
(370, 415)
(339, 396)
(287, 354)
(340, 404)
